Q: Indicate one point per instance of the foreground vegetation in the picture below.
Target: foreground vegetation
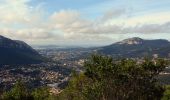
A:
(104, 79)
(21, 92)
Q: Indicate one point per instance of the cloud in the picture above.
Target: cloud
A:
(21, 21)
(15, 11)
(113, 13)
(150, 28)
(24, 34)
(70, 21)
(150, 18)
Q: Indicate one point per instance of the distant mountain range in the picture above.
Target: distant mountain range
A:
(137, 48)
(17, 52)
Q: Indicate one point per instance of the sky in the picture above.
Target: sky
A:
(84, 22)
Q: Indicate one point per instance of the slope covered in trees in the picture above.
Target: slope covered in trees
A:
(122, 80)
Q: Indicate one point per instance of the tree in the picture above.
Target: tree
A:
(18, 92)
(21, 92)
(104, 79)
(74, 90)
(166, 93)
(41, 93)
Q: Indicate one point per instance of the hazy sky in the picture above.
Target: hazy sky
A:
(84, 22)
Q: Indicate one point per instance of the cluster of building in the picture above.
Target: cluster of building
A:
(54, 74)
(35, 75)
(69, 58)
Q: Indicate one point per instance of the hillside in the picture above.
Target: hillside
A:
(17, 52)
(137, 47)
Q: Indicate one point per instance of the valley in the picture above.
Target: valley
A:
(55, 72)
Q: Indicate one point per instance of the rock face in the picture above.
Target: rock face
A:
(132, 41)
(137, 47)
(17, 52)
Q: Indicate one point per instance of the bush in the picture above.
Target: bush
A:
(41, 93)
(21, 92)
(166, 93)
(18, 92)
(120, 80)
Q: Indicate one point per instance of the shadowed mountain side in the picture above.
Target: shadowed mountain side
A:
(17, 52)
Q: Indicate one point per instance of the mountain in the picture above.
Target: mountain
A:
(137, 48)
(17, 52)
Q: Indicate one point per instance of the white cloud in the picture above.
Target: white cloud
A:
(152, 18)
(69, 21)
(14, 11)
(150, 28)
(113, 13)
(21, 21)
(72, 22)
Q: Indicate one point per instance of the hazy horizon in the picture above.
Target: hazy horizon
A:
(83, 23)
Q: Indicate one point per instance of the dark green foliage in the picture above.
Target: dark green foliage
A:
(121, 80)
(21, 92)
(74, 90)
(18, 92)
(166, 93)
(41, 93)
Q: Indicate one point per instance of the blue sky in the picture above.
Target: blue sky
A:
(84, 22)
(93, 8)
